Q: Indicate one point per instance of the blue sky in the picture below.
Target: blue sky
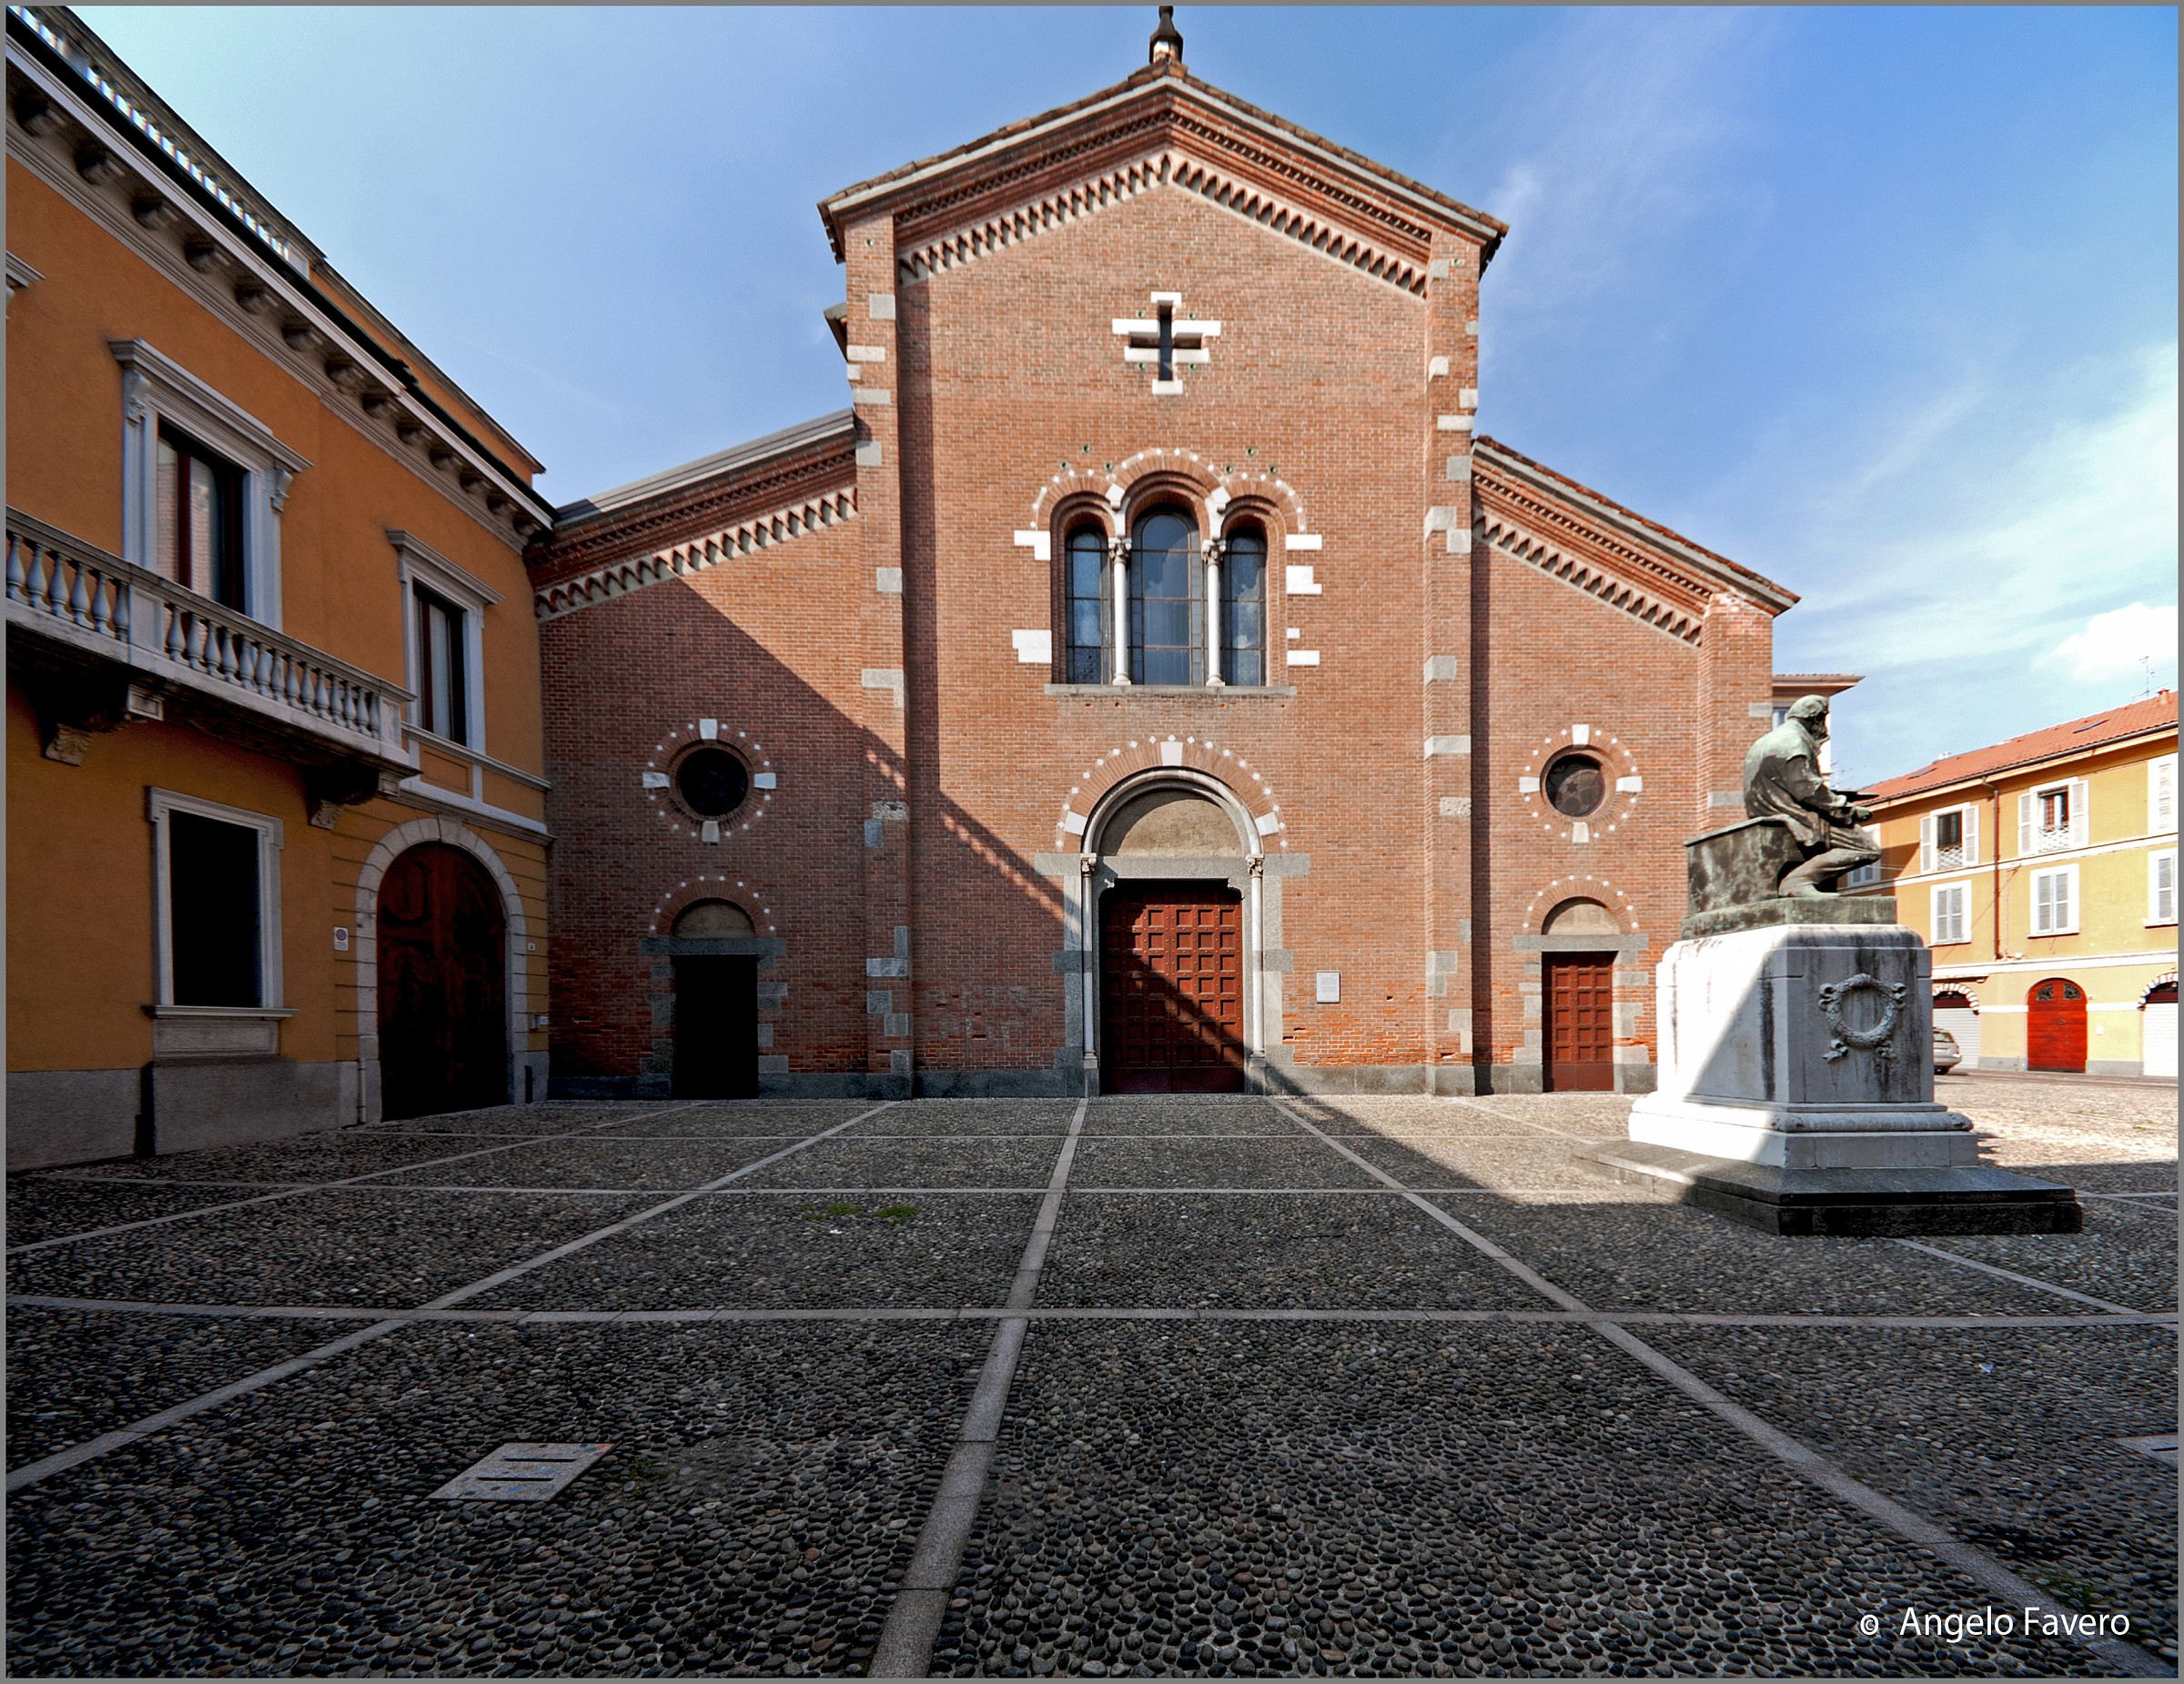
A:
(1880, 302)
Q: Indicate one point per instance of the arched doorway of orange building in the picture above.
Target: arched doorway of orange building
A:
(716, 1003)
(443, 984)
(2055, 1037)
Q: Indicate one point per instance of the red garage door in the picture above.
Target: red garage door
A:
(2056, 1028)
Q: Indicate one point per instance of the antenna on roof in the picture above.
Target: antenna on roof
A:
(1167, 40)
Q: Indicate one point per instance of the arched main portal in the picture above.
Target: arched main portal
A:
(1174, 942)
(443, 984)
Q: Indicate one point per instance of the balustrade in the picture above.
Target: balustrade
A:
(157, 627)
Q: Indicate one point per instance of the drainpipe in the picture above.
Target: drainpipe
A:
(1995, 870)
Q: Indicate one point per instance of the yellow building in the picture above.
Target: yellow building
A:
(275, 828)
(2043, 872)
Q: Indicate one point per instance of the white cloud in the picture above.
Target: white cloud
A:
(2119, 642)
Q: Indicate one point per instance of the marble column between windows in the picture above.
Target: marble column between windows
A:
(1213, 612)
(1119, 565)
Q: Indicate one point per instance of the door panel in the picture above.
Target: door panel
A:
(442, 985)
(1171, 967)
(1580, 989)
(716, 1028)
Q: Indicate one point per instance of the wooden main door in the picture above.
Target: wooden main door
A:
(443, 985)
(1580, 989)
(2055, 1026)
(716, 1028)
(1172, 989)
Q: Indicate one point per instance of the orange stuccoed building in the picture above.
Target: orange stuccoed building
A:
(277, 839)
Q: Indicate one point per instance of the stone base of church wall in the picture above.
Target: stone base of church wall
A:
(1332, 1080)
(997, 1085)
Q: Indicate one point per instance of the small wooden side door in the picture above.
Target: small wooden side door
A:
(1580, 989)
(716, 1028)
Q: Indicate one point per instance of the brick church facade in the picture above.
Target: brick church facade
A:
(1150, 681)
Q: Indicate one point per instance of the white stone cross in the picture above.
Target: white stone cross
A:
(1167, 340)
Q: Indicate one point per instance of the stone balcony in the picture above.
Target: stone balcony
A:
(100, 642)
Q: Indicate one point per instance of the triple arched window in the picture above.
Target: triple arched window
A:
(1188, 612)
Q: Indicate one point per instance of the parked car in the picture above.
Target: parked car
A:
(1948, 1054)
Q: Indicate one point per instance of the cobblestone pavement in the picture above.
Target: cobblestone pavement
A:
(1142, 1386)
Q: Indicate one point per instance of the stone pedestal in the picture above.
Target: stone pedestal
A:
(1796, 1091)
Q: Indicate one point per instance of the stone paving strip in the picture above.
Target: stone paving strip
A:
(285, 1192)
(1968, 1560)
(905, 1649)
(46, 1467)
(966, 1313)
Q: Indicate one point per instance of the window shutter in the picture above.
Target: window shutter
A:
(2025, 823)
(1971, 835)
(2080, 816)
(2066, 914)
(2162, 888)
(1926, 842)
(2043, 903)
(2161, 795)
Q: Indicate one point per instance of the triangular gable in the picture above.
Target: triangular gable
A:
(1161, 128)
(1611, 553)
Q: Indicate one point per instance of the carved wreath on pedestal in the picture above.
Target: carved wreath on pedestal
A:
(1847, 1034)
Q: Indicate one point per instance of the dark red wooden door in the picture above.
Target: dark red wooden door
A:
(1172, 968)
(443, 985)
(1580, 1022)
(2055, 1026)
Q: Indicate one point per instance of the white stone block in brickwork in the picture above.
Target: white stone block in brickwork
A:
(764, 780)
(1168, 388)
(1468, 399)
(1630, 786)
(868, 353)
(655, 780)
(1441, 517)
(1327, 988)
(1301, 540)
(1267, 823)
(1460, 543)
(1581, 734)
(1440, 667)
(1304, 657)
(1437, 368)
(869, 454)
(880, 306)
(1073, 824)
(1299, 582)
(1171, 752)
(887, 580)
(1437, 746)
(1115, 496)
(1455, 806)
(871, 395)
(1035, 647)
(1040, 544)
(1528, 786)
(1454, 423)
(1725, 798)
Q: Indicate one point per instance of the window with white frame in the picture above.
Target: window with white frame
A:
(443, 614)
(1952, 913)
(218, 872)
(2161, 795)
(203, 485)
(1869, 872)
(2161, 887)
(2053, 817)
(1948, 839)
(2055, 900)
